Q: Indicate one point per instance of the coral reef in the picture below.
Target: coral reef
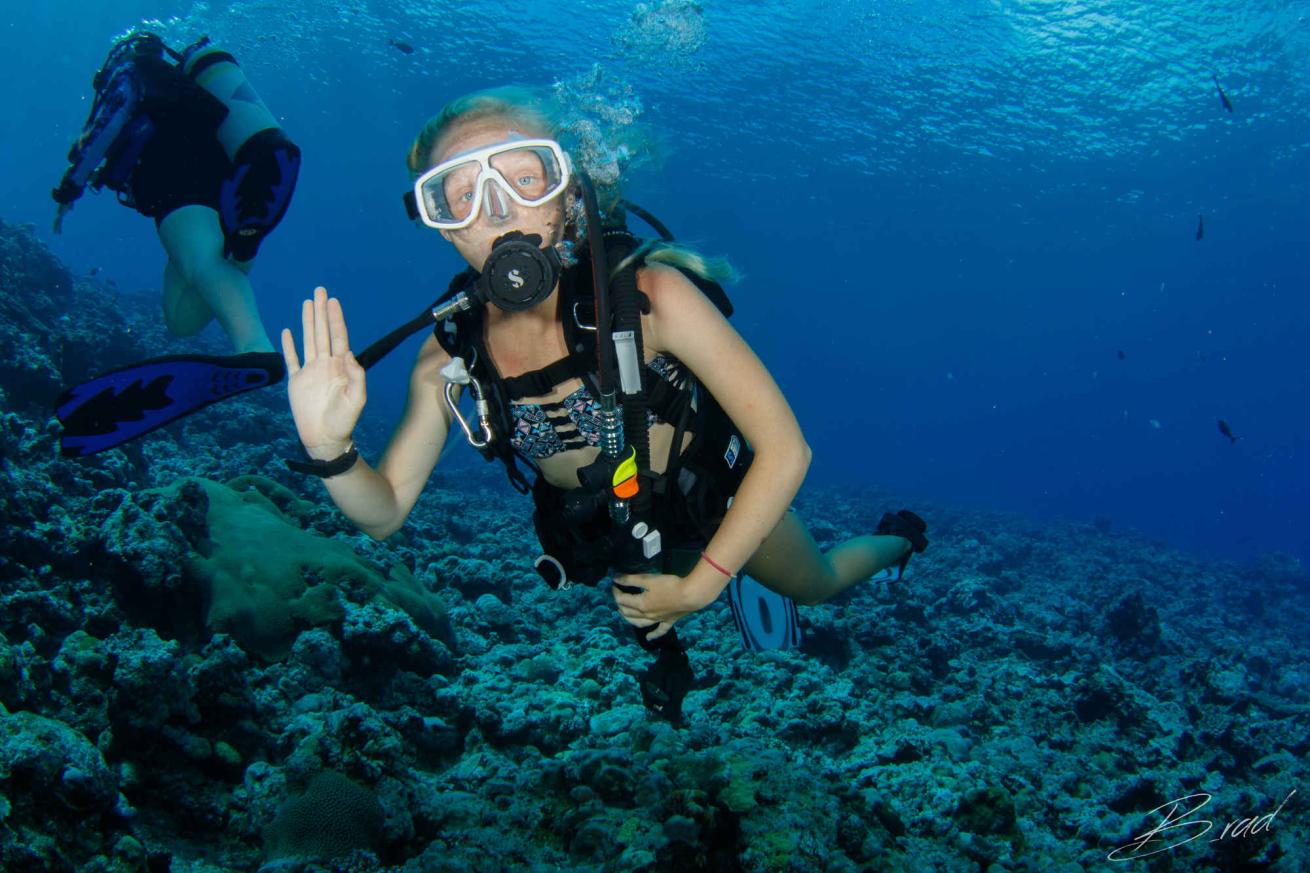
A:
(204, 668)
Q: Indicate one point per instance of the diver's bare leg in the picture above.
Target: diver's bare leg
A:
(185, 312)
(790, 562)
(193, 238)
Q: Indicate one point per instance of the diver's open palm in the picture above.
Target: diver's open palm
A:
(327, 391)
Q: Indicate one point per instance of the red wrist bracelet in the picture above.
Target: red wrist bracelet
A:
(716, 565)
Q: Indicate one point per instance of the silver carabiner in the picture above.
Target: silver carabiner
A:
(457, 373)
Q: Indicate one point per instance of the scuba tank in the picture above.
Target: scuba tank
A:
(218, 73)
(116, 130)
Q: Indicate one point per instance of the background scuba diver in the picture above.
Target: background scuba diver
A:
(498, 172)
(191, 145)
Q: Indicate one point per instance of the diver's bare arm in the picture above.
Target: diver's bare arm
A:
(686, 324)
(379, 500)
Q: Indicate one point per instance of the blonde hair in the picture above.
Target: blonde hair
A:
(513, 102)
(543, 114)
(683, 257)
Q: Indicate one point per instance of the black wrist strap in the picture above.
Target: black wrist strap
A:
(326, 469)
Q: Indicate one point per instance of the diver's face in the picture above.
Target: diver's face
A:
(474, 242)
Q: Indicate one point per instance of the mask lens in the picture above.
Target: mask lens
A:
(448, 196)
(532, 172)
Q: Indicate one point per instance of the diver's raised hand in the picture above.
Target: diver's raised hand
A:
(327, 391)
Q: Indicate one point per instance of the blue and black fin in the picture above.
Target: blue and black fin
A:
(767, 620)
(123, 404)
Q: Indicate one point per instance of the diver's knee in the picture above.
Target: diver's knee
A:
(814, 591)
(199, 268)
(185, 268)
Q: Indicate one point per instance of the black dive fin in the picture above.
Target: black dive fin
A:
(908, 525)
(123, 404)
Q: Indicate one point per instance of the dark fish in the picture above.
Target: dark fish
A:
(93, 271)
(111, 283)
(1226, 430)
(1200, 228)
(403, 46)
(1122, 355)
(1222, 96)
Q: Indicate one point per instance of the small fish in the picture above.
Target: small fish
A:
(1155, 424)
(111, 283)
(1222, 96)
(1200, 228)
(1122, 355)
(1226, 430)
(402, 46)
(93, 271)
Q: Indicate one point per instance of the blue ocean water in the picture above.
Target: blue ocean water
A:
(952, 217)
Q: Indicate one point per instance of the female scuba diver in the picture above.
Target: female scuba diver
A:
(718, 453)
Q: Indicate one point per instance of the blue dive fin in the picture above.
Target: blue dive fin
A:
(891, 574)
(767, 620)
(123, 404)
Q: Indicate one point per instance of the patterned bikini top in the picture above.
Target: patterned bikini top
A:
(545, 429)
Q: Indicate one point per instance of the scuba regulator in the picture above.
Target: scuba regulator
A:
(519, 274)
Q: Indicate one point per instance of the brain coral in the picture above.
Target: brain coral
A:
(334, 817)
(269, 579)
